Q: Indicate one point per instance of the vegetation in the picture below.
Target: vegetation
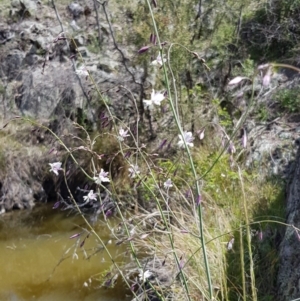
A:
(204, 226)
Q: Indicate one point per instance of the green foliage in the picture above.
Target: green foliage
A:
(273, 30)
(289, 99)
(262, 113)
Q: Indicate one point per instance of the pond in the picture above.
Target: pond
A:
(39, 260)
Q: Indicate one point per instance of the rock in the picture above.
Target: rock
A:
(39, 94)
(11, 65)
(6, 34)
(289, 264)
(75, 9)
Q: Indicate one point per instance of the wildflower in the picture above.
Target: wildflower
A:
(56, 205)
(168, 184)
(199, 200)
(187, 138)
(159, 61)
(133, 171)
(91, 196)
(267, 77)
(143, 276)
(263, 67)
(236, 80)
(75, 235)
(122, 134)
(230, 244)
(156, 99)
(244, 139)
(201, 134)
(55, 167)
(231, 148)
(144, 49)
(82, 71)
(153, 38)
(102, 177)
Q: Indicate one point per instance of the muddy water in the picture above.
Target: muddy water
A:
(38, 260)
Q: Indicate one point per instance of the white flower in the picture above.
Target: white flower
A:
(156, 99)
(91, 196)
(102, 177)
(159, 61)
(143, 276)
(168, 184)
(122, 134)
(188, 138)
(82, 71)
(55, 167)
(133, 171)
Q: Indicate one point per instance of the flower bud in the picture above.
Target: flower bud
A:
(144, 49)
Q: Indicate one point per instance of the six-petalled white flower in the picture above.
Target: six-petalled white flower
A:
(188, 138)
(156, 99)
(133, 171)
(159, 61)
(103, 177)
(55, 167)
(168, 184)
(82, 71)
(144, 275)
(91, 196)
(122, 134)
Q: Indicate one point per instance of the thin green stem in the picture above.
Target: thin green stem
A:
(177, 121)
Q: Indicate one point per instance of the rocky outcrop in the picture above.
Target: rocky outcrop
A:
(289, 268)
(38, 79)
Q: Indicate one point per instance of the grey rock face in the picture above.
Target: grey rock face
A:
(289, 268)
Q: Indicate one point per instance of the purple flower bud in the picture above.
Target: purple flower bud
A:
(153, 38)
(75, 235)
(260, 235)
(119, 242)
(132, 287)
(154, 3)
(199, 200)
(102, 116)
(51, 150)
(244, 139)
(108, 213)
(163, 144)
(127, 155)
(231, 148)
(82, 244)
(108, 282)
(56, 205)
(181, 263)
(144, 49)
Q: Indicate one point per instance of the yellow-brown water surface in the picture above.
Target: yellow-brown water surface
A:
(39, 261)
